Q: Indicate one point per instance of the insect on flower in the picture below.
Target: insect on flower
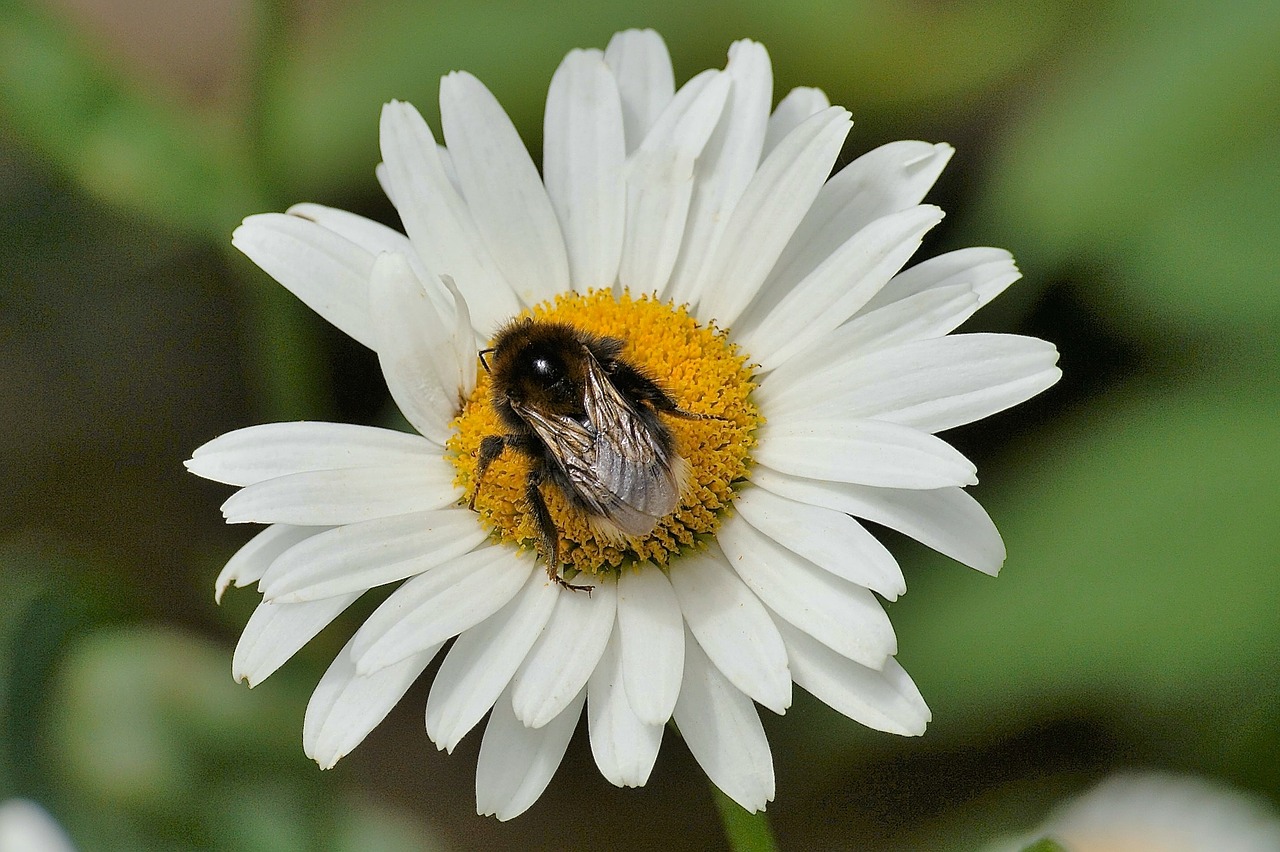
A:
(590, 424)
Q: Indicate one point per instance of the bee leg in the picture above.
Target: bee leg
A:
(691, 415)
(641, 387)
(667, 405)
(548, 537)
(490, 448)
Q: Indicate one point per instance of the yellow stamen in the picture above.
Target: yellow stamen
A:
(698, 367)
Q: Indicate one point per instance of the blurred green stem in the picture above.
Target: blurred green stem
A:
(746, 832)
(283, 350)
(284, 342)
(269, 37)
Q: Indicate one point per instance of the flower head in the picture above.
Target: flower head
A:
(27, 827)
(798, 375)
(1159, 812)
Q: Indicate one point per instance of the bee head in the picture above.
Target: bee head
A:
(538, 363)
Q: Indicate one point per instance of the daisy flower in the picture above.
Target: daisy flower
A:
(27, 827)
(1158, 812)
(698, 228)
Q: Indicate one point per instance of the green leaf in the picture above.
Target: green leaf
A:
(1207, 259)
(889, 56)
(323, 123)
(47, 595)
(134, 706)
(366, 826)
(1142, 566)
(333, 81)
(1155, 138)
(120, 143)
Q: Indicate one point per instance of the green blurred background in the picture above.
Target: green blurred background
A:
(1128, 153)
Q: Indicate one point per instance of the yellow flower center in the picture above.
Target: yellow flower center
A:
(697, 367)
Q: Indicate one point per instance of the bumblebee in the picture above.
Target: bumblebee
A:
(590, 424)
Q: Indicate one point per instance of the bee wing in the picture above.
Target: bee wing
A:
(568, 440)
(618, 468)
(627, 460)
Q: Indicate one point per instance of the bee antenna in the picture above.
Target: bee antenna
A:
(483, 362)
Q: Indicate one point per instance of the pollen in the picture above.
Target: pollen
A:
(696, 365)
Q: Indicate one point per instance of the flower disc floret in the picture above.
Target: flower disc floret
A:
(695, 364)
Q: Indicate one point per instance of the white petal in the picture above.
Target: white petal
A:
(799, 104)
(951, 381)
(373, 237)
(733, 628)
(270, 450)
(275, 632)
(583, 152)
(886, 700)
(678, 137)
(416, 348)
(929, 314)
(642, 67)
(836, 288)
(438, 220)
(27, 827)
(827, 538)
(332, 497)
(250, 562)
(346, 705)
(516, 763)
(326, 271)
(989, 271)
(624, 747)
(503, 190)
(889, 179)
(932, 313)
(946, 519)
(723, 731)
(483, 659)
(768, 212)
(651, 631)
(439, 604)
(383, 174)
(458, 369)
(928, 385)
(844, 617)
(463, 342)
(566, 653)
(446, 163)
(659, 178)
(725, 167)
(356, 557)
(868, 452)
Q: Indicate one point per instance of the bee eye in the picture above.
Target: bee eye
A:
(549, 370)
